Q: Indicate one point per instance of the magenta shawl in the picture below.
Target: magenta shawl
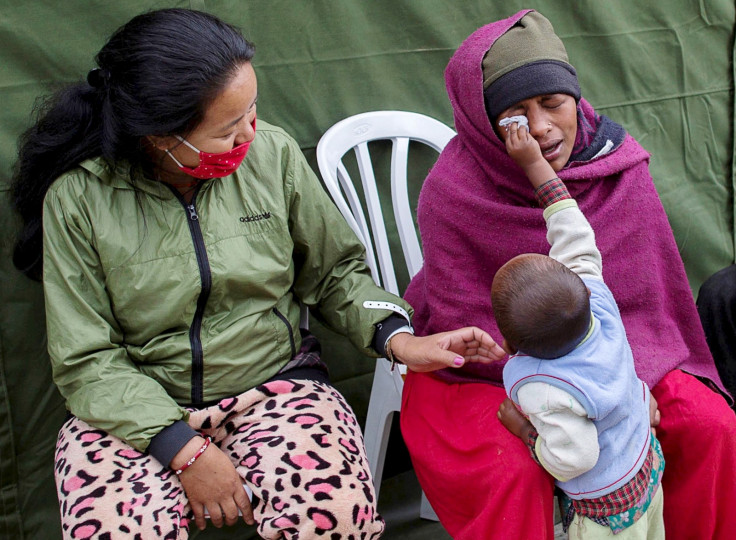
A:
(477, 210)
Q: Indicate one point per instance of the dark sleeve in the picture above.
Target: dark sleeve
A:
(384, 329)
(167, 442)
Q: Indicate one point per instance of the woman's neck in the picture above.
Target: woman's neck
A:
(159, 170)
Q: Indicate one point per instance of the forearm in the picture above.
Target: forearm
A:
(571, 238)
(539, 173)
(331, 273)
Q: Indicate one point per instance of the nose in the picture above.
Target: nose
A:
(246, 131)
(539, 124)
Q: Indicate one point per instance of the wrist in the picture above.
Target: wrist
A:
(527, 432)
(187, 451)
(539, 172)
(395, 346)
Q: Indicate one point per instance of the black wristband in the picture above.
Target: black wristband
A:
(384, 329)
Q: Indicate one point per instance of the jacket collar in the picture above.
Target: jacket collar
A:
(123, 176)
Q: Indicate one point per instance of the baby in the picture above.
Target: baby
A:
(571, 372)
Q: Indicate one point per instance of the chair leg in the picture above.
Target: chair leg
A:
(385, 400)
(376, 443)
(426, 511)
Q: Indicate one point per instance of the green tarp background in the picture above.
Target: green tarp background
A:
(664, 70)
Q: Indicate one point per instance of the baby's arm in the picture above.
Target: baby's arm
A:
(569, 234)
(525, 151)
(571, 238)
(567, 445)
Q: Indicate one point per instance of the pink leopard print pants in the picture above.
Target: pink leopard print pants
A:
(295, 443)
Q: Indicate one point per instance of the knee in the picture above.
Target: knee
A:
(721, 428)
(703, 420)
(355, 515)
(347, 515)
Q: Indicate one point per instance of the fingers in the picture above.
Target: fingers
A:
(506, 403)
(217, 501)
(230, 512)
(518, 132)
(473, 344)
(449, 349)
(199, 518)
(216, 514)
(654, 414)
(243, 504)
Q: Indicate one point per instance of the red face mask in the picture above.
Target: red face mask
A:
(214, 165)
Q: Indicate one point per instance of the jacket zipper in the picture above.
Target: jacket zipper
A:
(205, 276)
(195, 331)
(288, 327)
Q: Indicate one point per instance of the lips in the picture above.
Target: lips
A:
(551, 151)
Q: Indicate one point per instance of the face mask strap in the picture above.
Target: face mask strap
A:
(190, 145)
(172, 157)
(183, 140)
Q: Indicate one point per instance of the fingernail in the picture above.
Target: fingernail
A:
(459, 360)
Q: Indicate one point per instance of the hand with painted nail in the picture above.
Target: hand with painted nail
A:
(446, 349)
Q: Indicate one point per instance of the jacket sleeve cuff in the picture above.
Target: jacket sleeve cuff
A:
(167, 443)
(551, 192)
(387, 328)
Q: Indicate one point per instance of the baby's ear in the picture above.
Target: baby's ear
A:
(508, 348)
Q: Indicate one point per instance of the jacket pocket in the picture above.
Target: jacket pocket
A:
(284, 320)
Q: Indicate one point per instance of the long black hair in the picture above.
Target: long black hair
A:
(157, 75)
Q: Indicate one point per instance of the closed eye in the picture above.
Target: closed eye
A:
(553, 101)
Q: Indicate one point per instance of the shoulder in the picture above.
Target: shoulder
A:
(72, 185)
(88, 190)
(601, 297)
(89, 176)
(275, 153)
(273, 137)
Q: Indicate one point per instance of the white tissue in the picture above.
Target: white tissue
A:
(521, 120)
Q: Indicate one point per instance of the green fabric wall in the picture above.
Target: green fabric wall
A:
(662, 69)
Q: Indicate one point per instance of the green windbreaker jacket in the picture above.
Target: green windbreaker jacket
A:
(153, 304)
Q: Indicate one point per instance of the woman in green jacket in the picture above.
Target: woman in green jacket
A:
(176, 238)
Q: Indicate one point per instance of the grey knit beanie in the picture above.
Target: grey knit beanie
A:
(528, 60)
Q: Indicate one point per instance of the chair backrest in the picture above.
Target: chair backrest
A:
(355, 132)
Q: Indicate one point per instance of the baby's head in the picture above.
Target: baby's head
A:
(542, 307)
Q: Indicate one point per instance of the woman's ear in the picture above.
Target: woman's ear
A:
(162, 143)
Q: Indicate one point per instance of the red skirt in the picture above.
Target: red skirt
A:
(482, 482)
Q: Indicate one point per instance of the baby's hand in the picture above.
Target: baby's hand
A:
(525, 151)
(513, 420)
(520, 145)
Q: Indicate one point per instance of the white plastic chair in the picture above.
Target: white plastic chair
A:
(354, 133)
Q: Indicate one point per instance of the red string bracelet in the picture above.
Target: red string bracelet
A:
(191, 461)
